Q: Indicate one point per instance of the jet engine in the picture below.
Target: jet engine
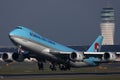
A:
(7, 57)
(76, 56)
(18, 57)
(109, 56)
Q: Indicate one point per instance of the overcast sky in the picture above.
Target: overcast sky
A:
(70, 22)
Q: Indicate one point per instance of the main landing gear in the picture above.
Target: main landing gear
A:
(64, 67)
(40, 66)
(61, 67)
(53, 67)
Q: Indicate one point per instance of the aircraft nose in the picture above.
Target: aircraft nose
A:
(11, 33)
(11, 36)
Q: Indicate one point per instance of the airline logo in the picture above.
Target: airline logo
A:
(96, 47)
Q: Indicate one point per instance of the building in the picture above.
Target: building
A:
(107, 25)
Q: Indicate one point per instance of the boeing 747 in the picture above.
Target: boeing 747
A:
(31, 44)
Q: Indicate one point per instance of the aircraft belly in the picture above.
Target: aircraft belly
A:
(38, 48)
(29, 44)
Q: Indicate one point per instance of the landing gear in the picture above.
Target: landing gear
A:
(20, 49)
(40, 66)
(53, 67)
(67, 67)
(64, 67)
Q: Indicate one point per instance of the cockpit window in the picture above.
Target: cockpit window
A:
(18, 27)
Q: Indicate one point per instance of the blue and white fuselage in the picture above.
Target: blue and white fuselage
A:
(48, 49)
(26, 35)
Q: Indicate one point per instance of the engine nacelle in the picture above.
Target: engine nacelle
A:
(7, 57)
(76, 56)
(18, 57)
(109, 56)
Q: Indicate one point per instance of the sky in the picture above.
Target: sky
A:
(69, 22)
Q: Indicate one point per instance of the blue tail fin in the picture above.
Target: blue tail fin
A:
(96, 46)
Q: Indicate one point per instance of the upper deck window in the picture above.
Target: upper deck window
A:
(18, 27)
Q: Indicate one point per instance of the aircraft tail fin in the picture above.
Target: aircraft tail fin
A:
(96, 46)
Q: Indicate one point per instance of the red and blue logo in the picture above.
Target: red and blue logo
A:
(96, 47)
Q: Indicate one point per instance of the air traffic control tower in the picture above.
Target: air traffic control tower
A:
(107, 25)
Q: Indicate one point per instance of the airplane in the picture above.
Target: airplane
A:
(31, 44)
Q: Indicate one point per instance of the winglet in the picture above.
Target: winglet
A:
(96, 46)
